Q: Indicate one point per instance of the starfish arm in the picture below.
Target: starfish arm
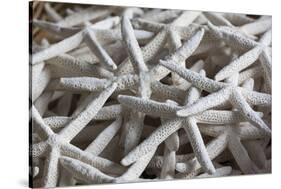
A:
(214, 148)
(156, 138)
(67, 66)
(52, 13)
(148, 25)
(130, 12)
(82, 119)
(91, 84)
(160, 90)
(163, 16)
(84, 16)
(168, 166)
(238, 19)
(197, 67)
(55, 28)
(257, 27)
(169, 160)
(159, 72)
(193, 93)
(241, 156)
(40, 83)
(148, 106)
(132, 45)
(219, 117)
(135, 170)
(186, 18)
(36, 71)
(57, 122)
(256, 98)
(134, 128)
(266, 64)
(217, 19)
(232, 37)
(253, 72)
(205, 103)
(175, 43)
(198, 145)
(51, 169)
(59, 48)
(239, 64)
(109, 112)
(266, 38)
(249, 132)
(220, 172)
(100, 163)
(172, 142)
(84, 171)
(107, 23)
(92, 42)
(103, 139)
(193, 77)
(42, 127)
(38, 150)
(188, 47)
(214, 130)
(105, 113)
(148, 52)
(127, 81)
(238, 101)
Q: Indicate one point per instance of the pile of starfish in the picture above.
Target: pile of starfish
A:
(125, 94)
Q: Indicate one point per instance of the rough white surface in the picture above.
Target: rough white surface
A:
(130, 94)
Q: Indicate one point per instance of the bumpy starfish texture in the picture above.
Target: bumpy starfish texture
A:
(125, 94)
(221, 93)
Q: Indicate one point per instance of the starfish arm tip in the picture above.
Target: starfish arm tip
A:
(125, 162)
(182, 113)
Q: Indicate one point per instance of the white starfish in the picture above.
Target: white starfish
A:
(166, 129)
(59, 143)
(221, 93)
(106, 110)
(257, 49)
(163, 32)
(228, 136)
(70, 43)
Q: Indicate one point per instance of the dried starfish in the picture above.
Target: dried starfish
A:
(59, 143)
(235, 39)
(229, 136)
(163, 32)
(116, 95)
(221, 93)
(134, 126)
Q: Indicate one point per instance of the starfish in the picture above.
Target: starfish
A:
(229, 136)
(59, 143)
(237, 19)
(156, 73)
(134, 126)
(97, 38)
(221, 93)
(256, 50)
(119, 95)
(158, 136)
(160, 39)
